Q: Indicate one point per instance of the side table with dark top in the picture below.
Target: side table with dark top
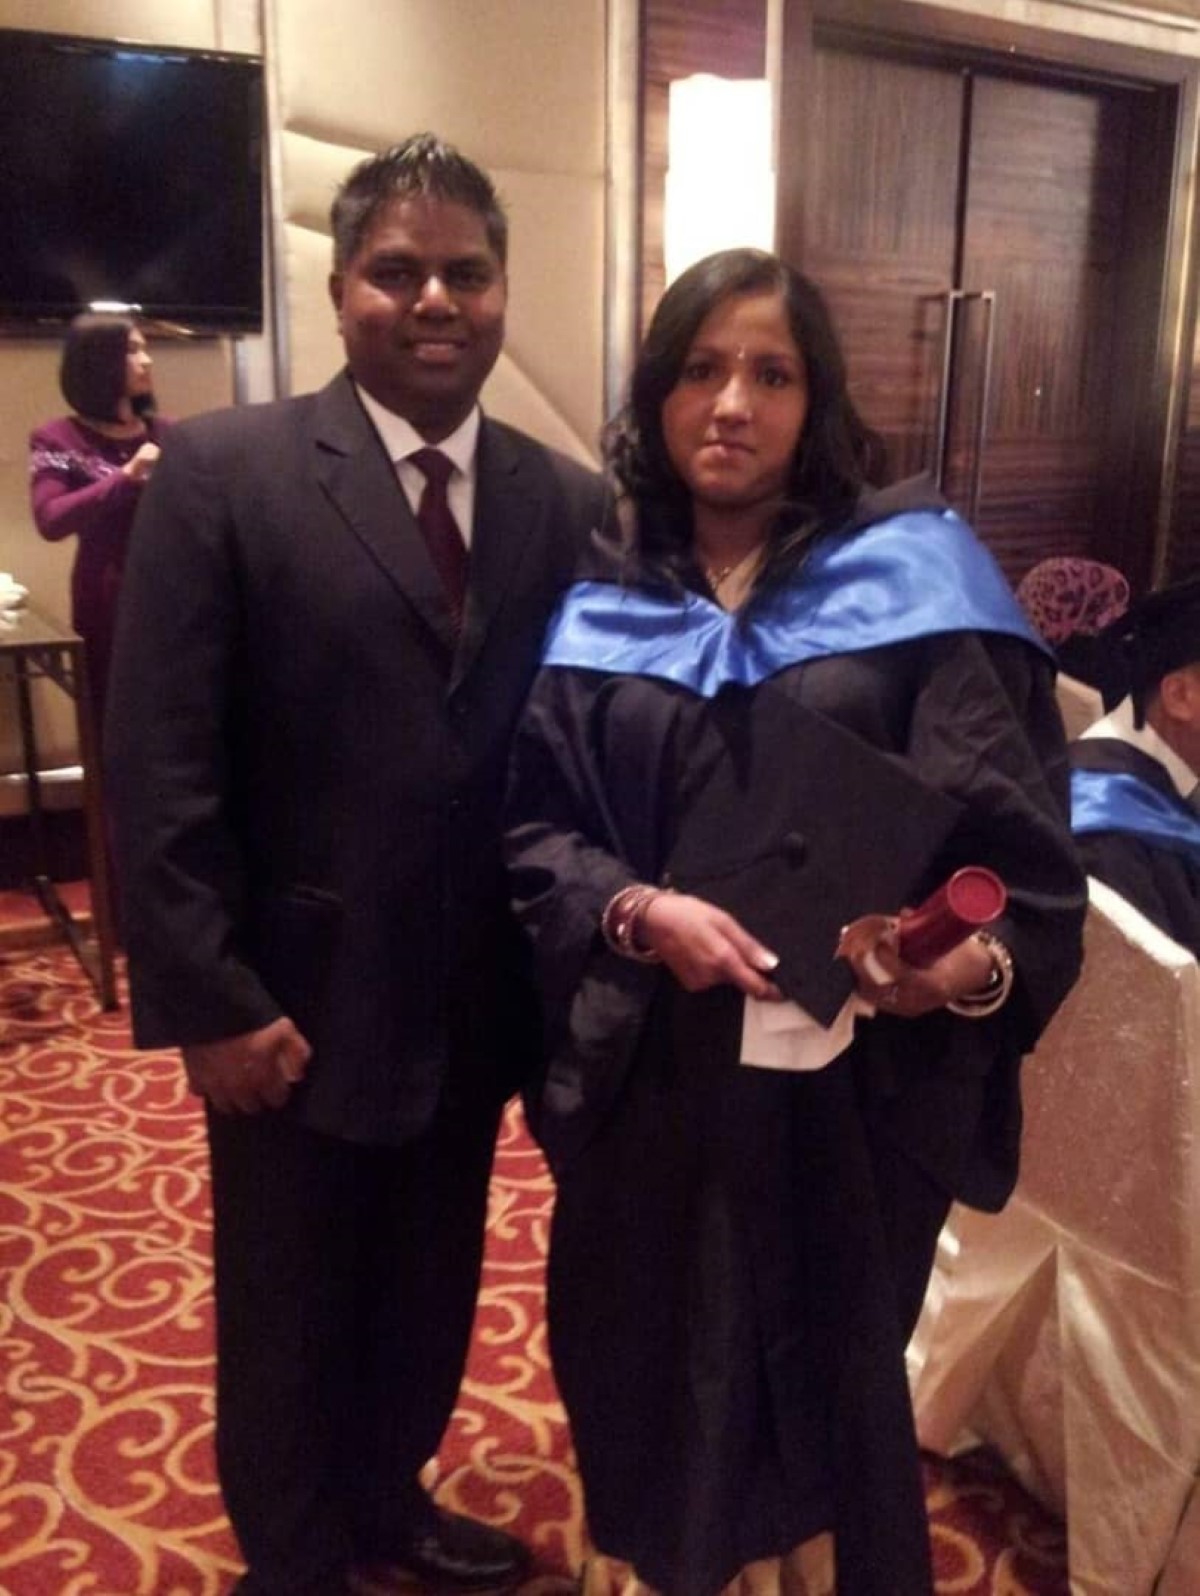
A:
(33, 647)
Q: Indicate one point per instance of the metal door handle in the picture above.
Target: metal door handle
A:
(954, 297)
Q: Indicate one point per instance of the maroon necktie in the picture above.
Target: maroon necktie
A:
(440, 530)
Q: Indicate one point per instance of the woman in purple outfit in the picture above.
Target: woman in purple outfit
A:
(87, 470)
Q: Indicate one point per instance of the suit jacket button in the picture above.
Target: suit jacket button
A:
(794, 848)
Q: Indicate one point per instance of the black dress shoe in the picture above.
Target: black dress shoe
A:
(447, 1554)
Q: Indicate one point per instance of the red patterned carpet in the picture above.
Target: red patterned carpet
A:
(106, 1476)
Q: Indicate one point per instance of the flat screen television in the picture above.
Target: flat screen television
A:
(129, 173)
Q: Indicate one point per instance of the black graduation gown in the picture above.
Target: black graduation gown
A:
(1160, 882)
(738, 1254)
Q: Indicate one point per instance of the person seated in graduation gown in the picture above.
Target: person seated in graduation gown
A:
(1135, 780)
(776, 701)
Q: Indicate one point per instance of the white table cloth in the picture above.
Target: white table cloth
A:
(1065, 1332)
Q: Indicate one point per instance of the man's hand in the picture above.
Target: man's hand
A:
(246, 1073)
(702, 946)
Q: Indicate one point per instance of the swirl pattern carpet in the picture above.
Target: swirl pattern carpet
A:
(106, 1469)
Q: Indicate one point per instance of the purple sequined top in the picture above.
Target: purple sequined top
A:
(78, 489)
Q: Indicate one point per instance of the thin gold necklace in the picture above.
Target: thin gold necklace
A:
(715, 575)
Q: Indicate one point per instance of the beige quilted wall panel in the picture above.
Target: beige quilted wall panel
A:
(187, 22)
(519, 85)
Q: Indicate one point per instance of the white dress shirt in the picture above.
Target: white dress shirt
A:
(402, 440)
(1118, 723)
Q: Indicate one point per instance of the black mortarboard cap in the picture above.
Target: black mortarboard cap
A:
(796, 826)
(1159, 635)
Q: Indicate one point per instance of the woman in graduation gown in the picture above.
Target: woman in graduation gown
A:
(776, 700)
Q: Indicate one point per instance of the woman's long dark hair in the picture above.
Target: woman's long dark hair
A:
(837, 454)
(92, 375)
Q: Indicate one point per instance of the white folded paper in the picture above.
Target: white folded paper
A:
(783, 1036)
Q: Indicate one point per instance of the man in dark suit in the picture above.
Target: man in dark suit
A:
(1135, 774)
(307, 744)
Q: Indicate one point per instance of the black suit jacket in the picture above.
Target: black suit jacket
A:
(306, 774)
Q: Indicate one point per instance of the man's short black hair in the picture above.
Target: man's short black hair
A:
(1159, 635)
(422, 164)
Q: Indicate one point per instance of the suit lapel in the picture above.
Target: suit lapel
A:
(507, 512)
(355, 473)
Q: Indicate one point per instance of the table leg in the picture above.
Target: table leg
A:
(97, 834)
(68, 669)
(33, 787)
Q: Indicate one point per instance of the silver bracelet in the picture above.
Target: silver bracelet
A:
(994, 995)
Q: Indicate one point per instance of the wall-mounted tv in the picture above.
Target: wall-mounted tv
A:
(130, 173)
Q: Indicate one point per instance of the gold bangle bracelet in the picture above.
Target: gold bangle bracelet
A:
(621, 918)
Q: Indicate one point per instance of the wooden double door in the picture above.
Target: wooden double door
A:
(991, 239)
